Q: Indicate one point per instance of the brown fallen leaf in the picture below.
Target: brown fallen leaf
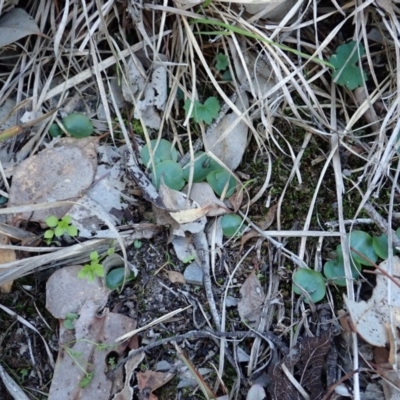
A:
(176, 277)
(309, 358)
(148, 381)
(203, 194)
(6, 256)
(253, 297)
(370, 318)
(264, 224)
(54, 174)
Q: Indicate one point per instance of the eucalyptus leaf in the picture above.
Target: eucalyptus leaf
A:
(172, 174)
(162, 151)
(310, 281)
(219, 179)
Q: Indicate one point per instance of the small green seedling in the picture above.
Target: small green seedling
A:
(347, 72)
(203, 112)
(189, 259)
(309, 283)
(59, 227)
(222, 62)
(92, 270)
(69, 320)
(137, 244)
(231, 225)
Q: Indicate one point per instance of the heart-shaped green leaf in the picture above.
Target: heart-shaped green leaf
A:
(55, 130)
(115, 278)
(202, 166)
(380, 244)
(311, 282)
(78, 125)
(172, 174)
(219, 179)
(231, 224)
(162, 151)
(334, 269)
(362, 242)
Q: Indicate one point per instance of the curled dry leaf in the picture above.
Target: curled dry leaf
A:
(15, 25)
(184, 249)
(251, 303)
(60, 173)
(264, 224)
(175, 201)
(203, 194)
(264, 79)
(154, 91)
(273, 10)
(106, 192)
(132, 363)
(227, 140)
(371, 318)
(148, 381)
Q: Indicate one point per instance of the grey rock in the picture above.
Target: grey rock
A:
(193, 274)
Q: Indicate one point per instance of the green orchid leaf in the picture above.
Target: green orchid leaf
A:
(78, 125)
(380, 244)
(219, 179)
(162, 151)
(311, 282)
(362, 242)
(115, 278)
(172, 174)
(202, 166)
(347, 72)
(231, 225)
(334, 269)
(55, 130)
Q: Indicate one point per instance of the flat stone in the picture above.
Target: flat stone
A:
(163, 366)
(193, 274)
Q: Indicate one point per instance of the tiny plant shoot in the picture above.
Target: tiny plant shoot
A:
(59, 227)
(92, 270)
